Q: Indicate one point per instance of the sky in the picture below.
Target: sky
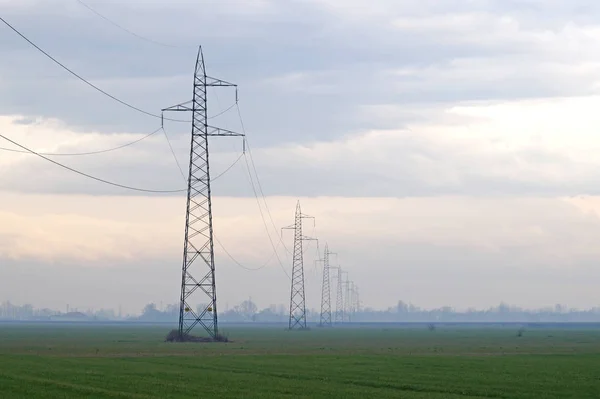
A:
(446, 149)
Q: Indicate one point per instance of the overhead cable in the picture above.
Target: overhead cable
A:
(229, 168)
(216, 239)
(181, 169)
(87, 175)
(129, 31)
(174, 156)
(72, 154)
(85, 80)
(240, 264)
(257, 178)
(264, 220)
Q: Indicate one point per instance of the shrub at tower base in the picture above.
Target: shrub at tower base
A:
(174, 336)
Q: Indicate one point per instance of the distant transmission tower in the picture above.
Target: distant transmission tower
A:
(339, 302)
(326, 291)
(353, 306)
(356, 299)
(297, 297)
(346, 307)
(198, 285)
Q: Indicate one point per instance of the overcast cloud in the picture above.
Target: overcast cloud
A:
(454, 134)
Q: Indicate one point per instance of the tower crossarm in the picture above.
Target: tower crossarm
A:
(303, 238)
(183, 107)
(220, 132)
(214, 82)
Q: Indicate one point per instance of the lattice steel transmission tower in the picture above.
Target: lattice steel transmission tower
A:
(353, 306)
(356, 299)
(198, 284)
(339, 302)
(297, 298)
(326, 291)
(346, 296)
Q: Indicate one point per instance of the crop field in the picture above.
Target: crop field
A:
(58, 361)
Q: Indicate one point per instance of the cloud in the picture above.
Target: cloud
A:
(437, 251)
(399, 53)
(537, 147)
(543, 147)
(430, 138)
(148, 164)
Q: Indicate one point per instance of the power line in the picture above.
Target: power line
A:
(257, 178)
(56, 154)
(181, 169)
(127, 30)
(317, 256)
(216, 239)
(174, 156)
(87, 175)
(222, 112)
(85, 80)
(264, 200)
(241, 265)
(275, 253)
(229, 168)
(264, 220)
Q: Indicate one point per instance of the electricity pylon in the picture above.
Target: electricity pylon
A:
(326, 291)
(356, 299)
(198, 285)
(353, 299)
(297, 298)
(347, 299)
(339, 302)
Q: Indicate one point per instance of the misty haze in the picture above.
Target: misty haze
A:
(304, 198)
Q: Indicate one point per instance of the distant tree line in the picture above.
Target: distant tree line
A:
(248, 312)
(10, 311)
(406, 312)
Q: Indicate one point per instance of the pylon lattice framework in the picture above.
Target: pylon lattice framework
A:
(347, 299)
(352, 299)
(297, 319)
(339, 302)
(325, 320)
(198, 285)
(355, 299)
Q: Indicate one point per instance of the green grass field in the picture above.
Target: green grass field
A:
(58, 361)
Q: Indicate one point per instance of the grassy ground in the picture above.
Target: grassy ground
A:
(450, 362)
